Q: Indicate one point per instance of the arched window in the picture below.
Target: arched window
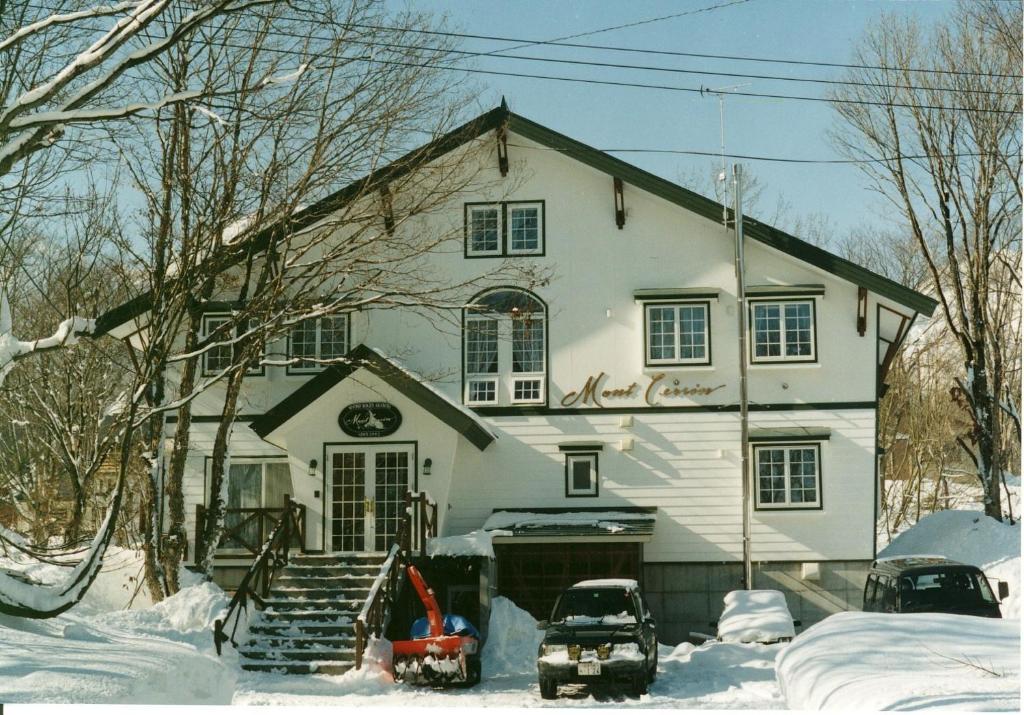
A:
(505, 351)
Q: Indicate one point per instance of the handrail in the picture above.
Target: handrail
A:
(261, 520)
(258, 579)
(419, 523)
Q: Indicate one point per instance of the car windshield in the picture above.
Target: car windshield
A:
(946, 588)
(603, 605)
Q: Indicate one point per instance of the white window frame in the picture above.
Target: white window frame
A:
(509, 208)
(675, 306)
(573, 458)
(297, 368)
(782, 357)
(470, 210)
(503, 210)
(506, 380)
(206, 330)
(786, 448)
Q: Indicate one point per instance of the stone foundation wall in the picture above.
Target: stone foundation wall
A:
(685, 598)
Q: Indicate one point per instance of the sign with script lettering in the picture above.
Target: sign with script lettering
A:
(657, 386)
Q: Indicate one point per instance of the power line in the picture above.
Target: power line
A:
(522, 75)
(695, 90)
(674, 53)
(778, 159)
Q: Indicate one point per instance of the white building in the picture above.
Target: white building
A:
(613, 388)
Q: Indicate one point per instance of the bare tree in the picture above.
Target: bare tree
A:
(952, 95)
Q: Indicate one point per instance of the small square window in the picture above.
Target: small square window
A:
(581, 475)
(481, 392)
(787, 476)
(782, 331)
(317, 340)
(678, 333)
(221, 357)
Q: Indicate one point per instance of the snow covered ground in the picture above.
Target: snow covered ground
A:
(909, 661)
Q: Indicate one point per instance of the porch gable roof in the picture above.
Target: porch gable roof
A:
(387, 369)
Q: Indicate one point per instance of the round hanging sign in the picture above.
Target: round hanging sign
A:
(370, 419)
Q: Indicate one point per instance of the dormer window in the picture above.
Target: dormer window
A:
(505, 355)
(506, 228)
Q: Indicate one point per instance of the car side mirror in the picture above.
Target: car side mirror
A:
(1004, 590)
(542, 625)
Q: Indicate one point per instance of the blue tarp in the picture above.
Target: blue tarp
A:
(453, 626)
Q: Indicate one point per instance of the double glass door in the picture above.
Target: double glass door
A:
(367, 492)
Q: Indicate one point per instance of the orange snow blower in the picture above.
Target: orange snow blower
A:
(443, 650)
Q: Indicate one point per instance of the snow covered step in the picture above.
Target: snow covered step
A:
(359, 558)
(299, 654)
(327, 570)
(327, 667)
(302, 642)
(311, 593)
(313, 629)
(289, 605)
(313, 616)
(297, 580)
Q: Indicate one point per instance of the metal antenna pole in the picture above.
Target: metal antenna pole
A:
(741, 314)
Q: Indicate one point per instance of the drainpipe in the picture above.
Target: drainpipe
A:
(741, 313)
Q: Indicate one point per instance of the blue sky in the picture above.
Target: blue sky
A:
(617, 117)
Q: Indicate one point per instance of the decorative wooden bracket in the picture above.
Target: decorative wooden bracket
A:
(502, 134)
(862, 310)
(620, 203)
(387, 210)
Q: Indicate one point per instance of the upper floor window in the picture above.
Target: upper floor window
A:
(505, 349)
(788, 476)
(783, 331)
(677, 333)
(315, 341)
(505, 229)
(222, 355)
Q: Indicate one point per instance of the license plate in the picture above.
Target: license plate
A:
(590, 668)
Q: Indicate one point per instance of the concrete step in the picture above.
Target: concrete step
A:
(337, 559)
(326, 667)
(283, 629)
(299, 580)
(328, 571)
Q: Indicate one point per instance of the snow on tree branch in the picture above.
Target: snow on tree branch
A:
(12, 349)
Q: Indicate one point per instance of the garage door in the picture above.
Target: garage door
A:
(533, 575)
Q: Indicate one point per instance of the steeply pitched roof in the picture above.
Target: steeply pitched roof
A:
(398, 377)
(585, 154)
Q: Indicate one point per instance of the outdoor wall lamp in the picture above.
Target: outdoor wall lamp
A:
(427, 465)
(312, 467)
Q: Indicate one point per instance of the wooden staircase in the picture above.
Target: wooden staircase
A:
(307, 624)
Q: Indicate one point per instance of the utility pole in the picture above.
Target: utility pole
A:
(741, 315)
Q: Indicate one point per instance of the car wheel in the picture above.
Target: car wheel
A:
(548, 689)
(640, 684)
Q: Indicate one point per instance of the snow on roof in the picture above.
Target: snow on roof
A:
(412, 374)
(910, 557)
(526, 519)
(607, 583)
(755, 617)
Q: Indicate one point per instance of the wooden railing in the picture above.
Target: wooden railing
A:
(419, 523)
(247, 530)
(256, 583)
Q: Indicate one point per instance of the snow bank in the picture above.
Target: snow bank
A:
(512, 640)
(972, 538)
(755, 617)
(875, 661)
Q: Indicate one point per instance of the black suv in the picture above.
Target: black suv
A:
(599, 631)
(930, 584)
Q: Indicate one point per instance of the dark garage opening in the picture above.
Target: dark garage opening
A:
(533, 575)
